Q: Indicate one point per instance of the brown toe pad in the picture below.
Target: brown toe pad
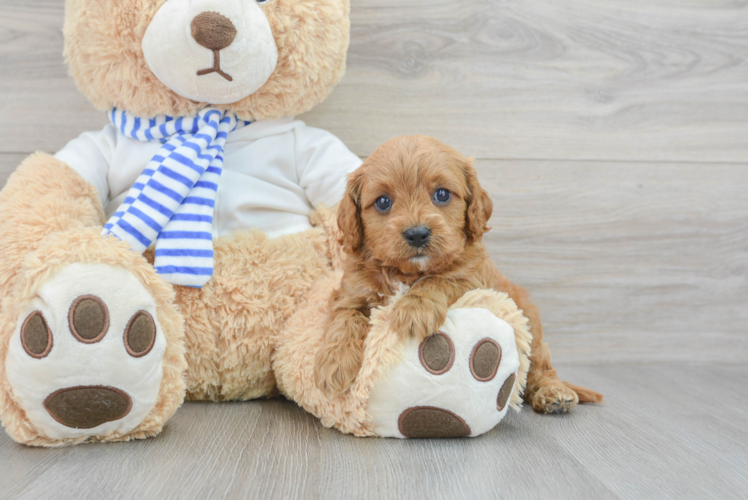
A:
(505, 392)
(89, 319)
(437, 353)
(87, 407)
(36, 336)
(140, 334)
(485, 360)
(431, 422)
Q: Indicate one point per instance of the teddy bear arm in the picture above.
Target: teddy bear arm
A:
(323, 164)
(42, 197)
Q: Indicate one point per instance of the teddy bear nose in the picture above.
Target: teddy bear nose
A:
(417, 236)
(213, 30)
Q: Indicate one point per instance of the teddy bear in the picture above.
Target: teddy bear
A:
(189, 249)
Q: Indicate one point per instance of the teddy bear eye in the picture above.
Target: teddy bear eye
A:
(383, 203)
(442, 196)
(263, 1)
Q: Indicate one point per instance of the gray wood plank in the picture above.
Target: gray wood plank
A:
(664, 432)
(8, 164)
(646, 441)
(40, 107)
(581, 79)
(207, 451)
(515, 460)
(627, 262)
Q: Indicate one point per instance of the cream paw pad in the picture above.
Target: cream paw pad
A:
(457, 382)
(86, 357)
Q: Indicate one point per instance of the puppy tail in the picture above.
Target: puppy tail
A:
(585, 395)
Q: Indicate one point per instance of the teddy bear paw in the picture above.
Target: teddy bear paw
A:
(86, 357)
(457, 382)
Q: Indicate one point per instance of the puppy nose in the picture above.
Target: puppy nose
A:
(213, 31)
(417, 236)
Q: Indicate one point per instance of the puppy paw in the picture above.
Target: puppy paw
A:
(414, 317)
(553, 397)
(336, 370)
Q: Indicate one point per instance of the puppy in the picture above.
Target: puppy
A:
(414, 214)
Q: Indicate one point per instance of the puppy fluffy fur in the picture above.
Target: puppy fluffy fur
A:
(408, 171)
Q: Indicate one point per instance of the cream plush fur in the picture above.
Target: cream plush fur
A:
(252, 331)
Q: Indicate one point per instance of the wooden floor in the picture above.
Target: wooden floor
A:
(613, 139)
(667, 431)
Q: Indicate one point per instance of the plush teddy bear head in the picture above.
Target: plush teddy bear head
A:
(256, 58)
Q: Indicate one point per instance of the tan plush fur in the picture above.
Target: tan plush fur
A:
(103, 50)
(232, 323)
(51, 219)
(42, 196)
(407, 173)
(302, 339)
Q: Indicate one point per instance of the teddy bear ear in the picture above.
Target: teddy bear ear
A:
(349, 214)
(480, 206)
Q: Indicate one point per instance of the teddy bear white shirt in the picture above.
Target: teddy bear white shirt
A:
(275, 173)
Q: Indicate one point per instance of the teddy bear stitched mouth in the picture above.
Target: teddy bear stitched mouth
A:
(215, 32)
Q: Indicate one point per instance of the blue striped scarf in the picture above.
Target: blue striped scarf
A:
(173, 200)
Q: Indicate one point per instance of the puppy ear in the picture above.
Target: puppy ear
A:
(349, 214)
(479, 206)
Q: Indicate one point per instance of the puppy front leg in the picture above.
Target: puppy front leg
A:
(423, 310)
(339, 358)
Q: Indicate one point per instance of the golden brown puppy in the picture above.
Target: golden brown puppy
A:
(415, 214)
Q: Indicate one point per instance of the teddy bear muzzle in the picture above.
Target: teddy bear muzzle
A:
(211, 51)
(215, 32)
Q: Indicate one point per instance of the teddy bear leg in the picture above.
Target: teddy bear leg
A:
(90, 341)
(232, 324)
(93, 345)
(461, 380)
(458, 382)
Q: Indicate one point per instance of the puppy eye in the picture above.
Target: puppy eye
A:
(263, 1)
(442, 196)
(383, 203)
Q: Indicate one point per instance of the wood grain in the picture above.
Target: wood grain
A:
(627, 262)
(8, 164)
(579, 79)
(647, 441)
(40, 107)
